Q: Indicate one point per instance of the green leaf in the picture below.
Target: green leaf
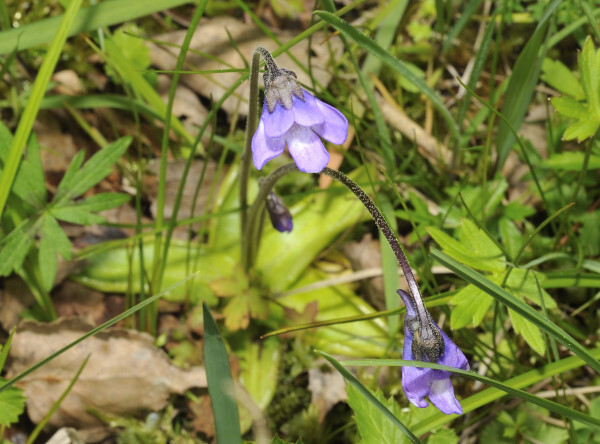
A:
(522, 283)
(30, 184)
(471, 305)
(475, 248)
(15, 246)
(570, 107)
(12, 405)
(259, 369)
(53, 231)
(559, 77)
(512, 239)
(589, 70)
(87, 19)
(531, 333)
(47, 261)
(101, 202)
(581, 130)
(571, 161)
(132, 47)
(444, 436)
(95, 169)
(373, 425)
(220, 382)
(76, 215)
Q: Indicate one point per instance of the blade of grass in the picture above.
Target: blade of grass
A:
(39, 427)
(87, 19)
(160, 259)
(499, 388)
(33, 105)
(367, 394)
(521, 85)
(517, 305)
(220, 382)
(371, 47)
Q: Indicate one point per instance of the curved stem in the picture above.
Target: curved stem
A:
(248, 252)
(390, 237)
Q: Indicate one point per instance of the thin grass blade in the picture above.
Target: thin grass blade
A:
(520, 307)
(220, 382)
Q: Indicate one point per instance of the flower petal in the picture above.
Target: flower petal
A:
(278, 122)
(442, 396)
(453, 356)
(307, 149)
(307, 112)
(335, 126)
(265, 148)
(416, 385)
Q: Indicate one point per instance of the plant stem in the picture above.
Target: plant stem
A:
(250, 248)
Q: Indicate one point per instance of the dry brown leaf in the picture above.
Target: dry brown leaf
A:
(211, 37)
(126, 374)
(186, 105)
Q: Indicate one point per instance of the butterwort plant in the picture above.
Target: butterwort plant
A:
(292, 116)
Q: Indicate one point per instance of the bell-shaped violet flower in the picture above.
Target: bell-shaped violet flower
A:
(421, 382)
(292, 116)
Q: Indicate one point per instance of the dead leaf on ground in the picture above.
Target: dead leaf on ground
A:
(126, 374)
(212, 38)
(186, 105)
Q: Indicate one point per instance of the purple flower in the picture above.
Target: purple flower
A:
(421, 382)
(295, 117)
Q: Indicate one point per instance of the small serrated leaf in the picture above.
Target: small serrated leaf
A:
(12, 405)
(559, 77)
(475, 250)
(522, 283)
(529, 332)
(53, 231)
(569, 107)
(471, 305)
(581, 130)
(76, 215)
(15, 246)
(95, 169)
(590, 75)
(372, 425)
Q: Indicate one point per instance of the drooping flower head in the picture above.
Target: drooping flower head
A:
(292, 116)
(425, 341)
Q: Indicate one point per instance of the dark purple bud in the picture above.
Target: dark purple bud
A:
(278, 213)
